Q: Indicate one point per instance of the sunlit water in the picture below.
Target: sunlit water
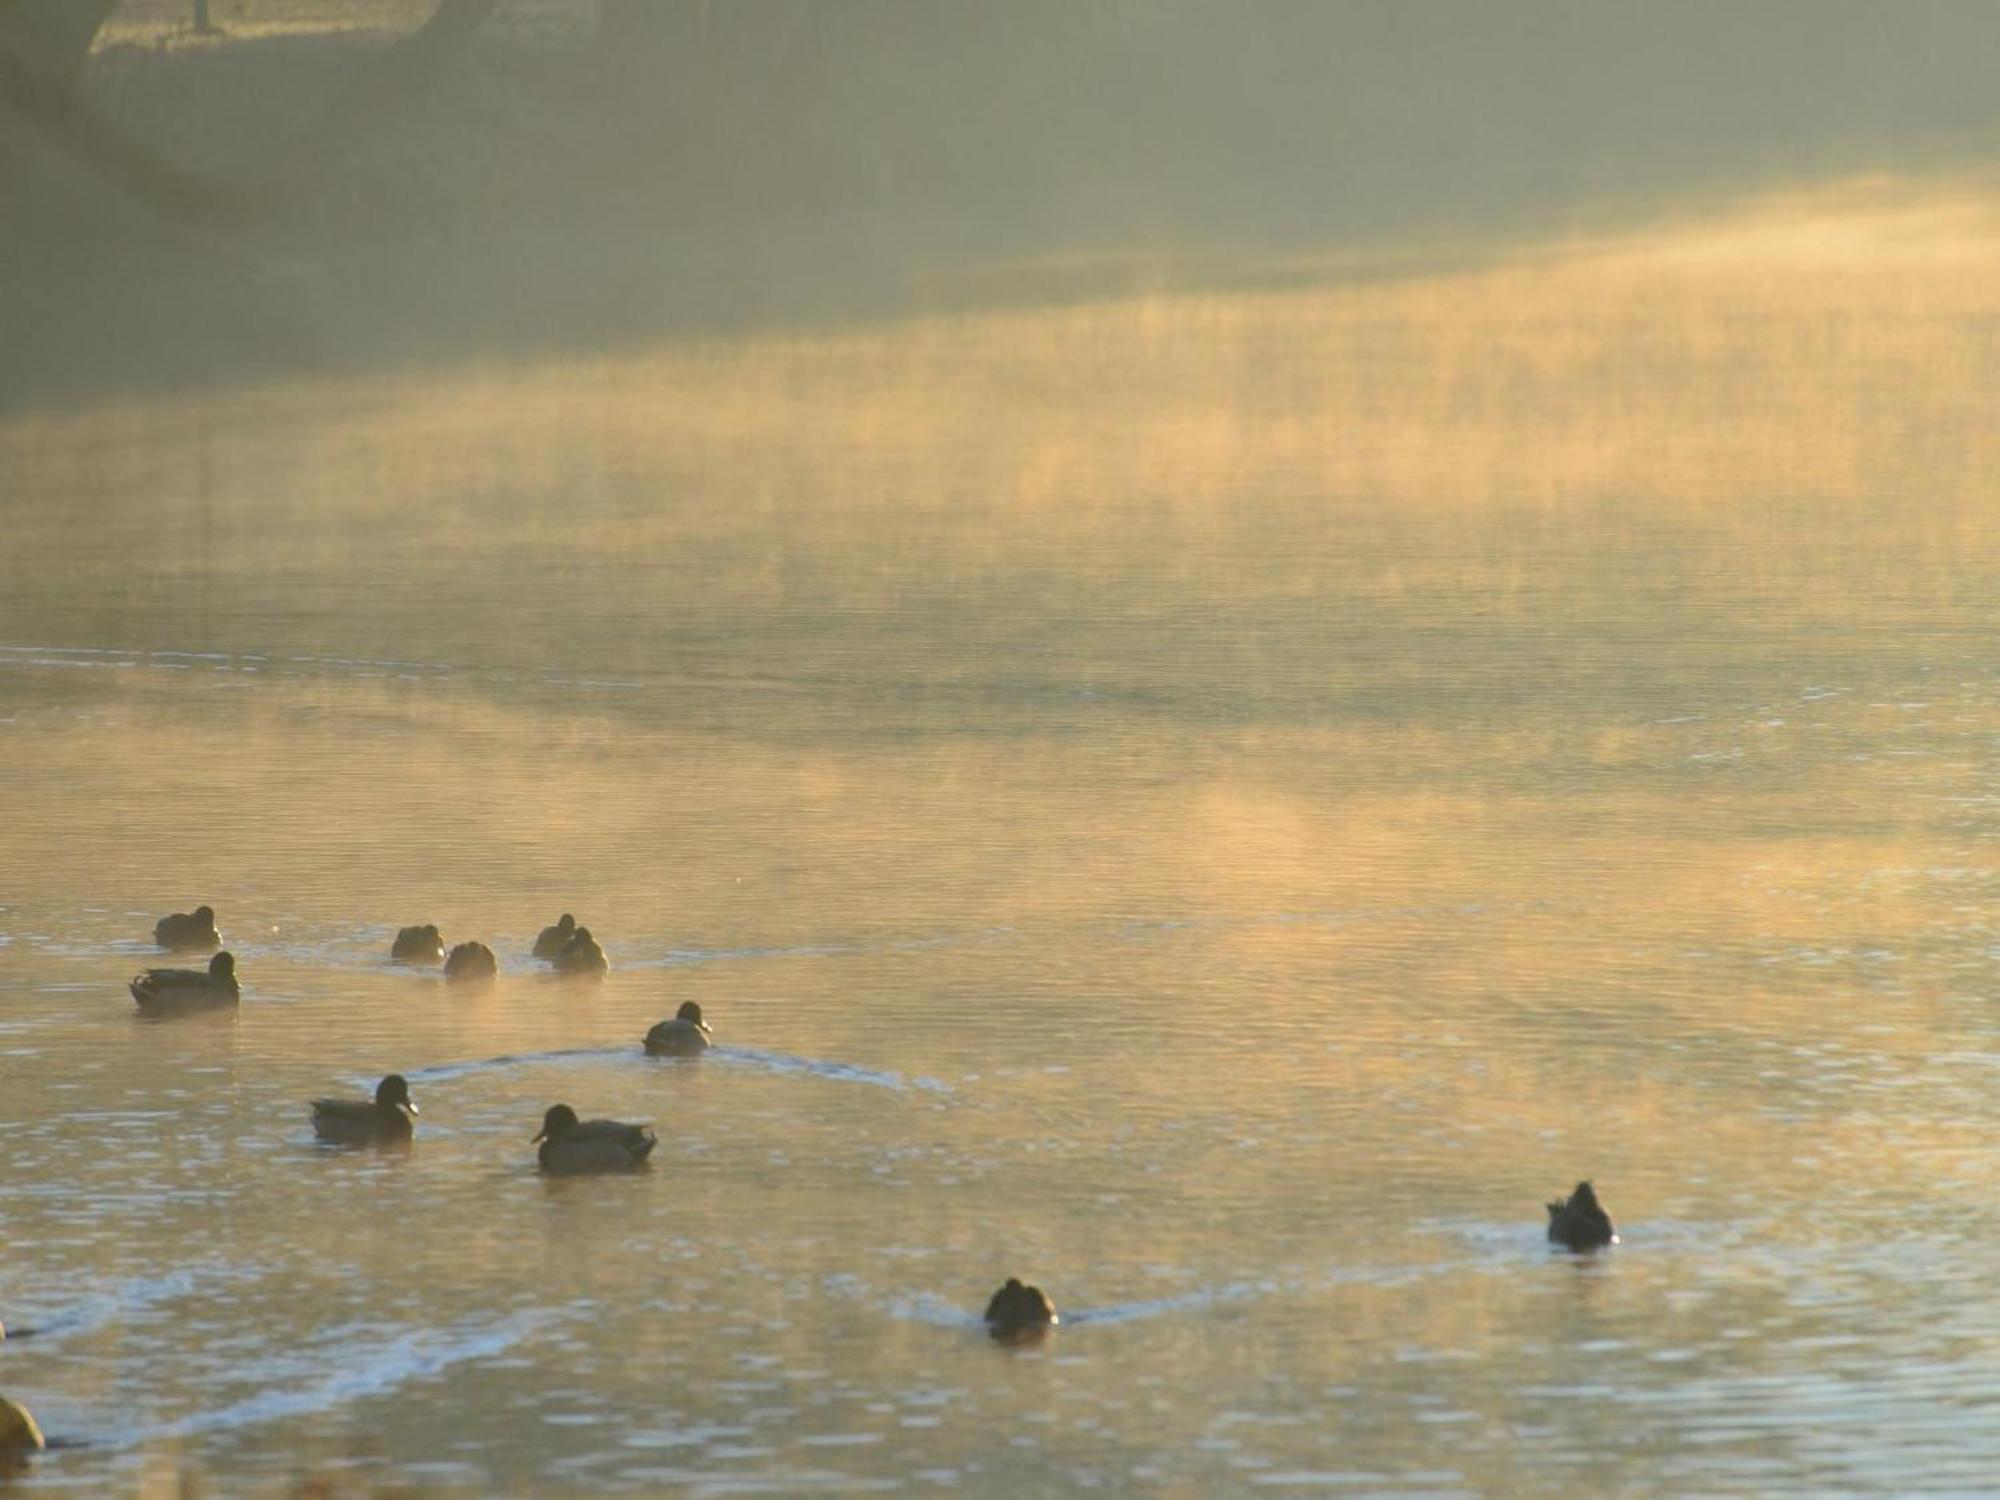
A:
(1216, 805)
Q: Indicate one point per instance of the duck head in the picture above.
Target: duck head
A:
(204, 914)
(557, 1123)
(222, 966)
(690, 1011)
(393, 1092)
(566, 924)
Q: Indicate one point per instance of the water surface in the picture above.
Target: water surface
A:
(1217, 804)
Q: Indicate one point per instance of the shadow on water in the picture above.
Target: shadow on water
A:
(863, 166)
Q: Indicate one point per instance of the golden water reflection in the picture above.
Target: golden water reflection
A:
(1217, 803)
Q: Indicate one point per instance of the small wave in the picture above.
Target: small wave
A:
(750, 1057)
(920, 1308)
(364, 1371)
(838, 1072)
(442, 1072)
(1154, 1307)
(136, 1295)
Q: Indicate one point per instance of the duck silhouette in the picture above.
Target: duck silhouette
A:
(471, 961)
(686, 1035)
(552, 940)
(188, 931)
(383, 1120)
(582, 955)
(162, 991)
(1579, 1222)
(418, 945)
(571, 1146)
(1020, 1311)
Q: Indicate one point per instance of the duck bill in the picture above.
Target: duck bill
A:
(538, 1137)
(412, 1108)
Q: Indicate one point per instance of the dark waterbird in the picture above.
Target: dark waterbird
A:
(188, 931)
(471, 961)
(582, 955)
(383, 1120)
(1579, 1221)
(161, 991)
(418, 945)
(686, 1035)
(571, 1146)
(554, 939)
(1020, 1312)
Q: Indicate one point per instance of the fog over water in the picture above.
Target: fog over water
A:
(1227, 643)
(293, 192)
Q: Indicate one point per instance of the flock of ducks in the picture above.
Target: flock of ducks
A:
(567, 1145)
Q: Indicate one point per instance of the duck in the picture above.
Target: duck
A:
(188, 931)
(1020, 1311)
(20, 1436)
(1579, 1222)
(418, 945)
(582, 955)
(385, 1120)
(553, 940)
(571, 1146)
(471, 961)
(161, 990)
(686, 1035)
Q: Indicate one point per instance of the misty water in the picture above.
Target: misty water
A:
(1218, 804)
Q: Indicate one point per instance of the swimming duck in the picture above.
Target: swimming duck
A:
(570, 1145)
(1579, 1221)
(159, 990)
(554, 939)
(361, 1122)
(582, 955)
(686, 1035)
(188, 931)
(418, 945)
(20, 1436)
(471, 961)
(1020, 1311)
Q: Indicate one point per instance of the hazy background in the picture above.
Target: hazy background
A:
(568, 179)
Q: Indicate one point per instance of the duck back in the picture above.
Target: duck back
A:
(357, 1122)
(1580, 1222)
